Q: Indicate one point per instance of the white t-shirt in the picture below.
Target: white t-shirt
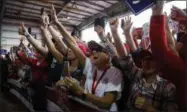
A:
(112, 81)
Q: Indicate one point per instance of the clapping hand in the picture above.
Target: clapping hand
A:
(72, 85)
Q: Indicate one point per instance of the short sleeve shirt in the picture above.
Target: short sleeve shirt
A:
(111, 81)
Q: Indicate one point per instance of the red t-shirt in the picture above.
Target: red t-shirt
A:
(38, 68)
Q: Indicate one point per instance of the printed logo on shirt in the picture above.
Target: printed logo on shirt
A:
(53, 63)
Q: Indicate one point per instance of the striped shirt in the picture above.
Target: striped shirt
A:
(160, 94)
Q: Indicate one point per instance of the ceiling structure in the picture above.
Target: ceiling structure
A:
(71, 13)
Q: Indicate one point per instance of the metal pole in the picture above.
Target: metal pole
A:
(2, 13)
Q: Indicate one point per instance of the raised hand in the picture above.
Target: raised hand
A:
(23, 30)
(53, 15)
(127, 24)
(114, 24)
(157, 9)
(177, 14)
(44, 20)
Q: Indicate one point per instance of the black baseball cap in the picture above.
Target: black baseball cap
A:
(145, 54)
(94, 46)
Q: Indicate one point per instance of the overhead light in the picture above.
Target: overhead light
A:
(68, 17)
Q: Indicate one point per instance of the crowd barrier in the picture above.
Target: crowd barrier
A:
(57, 101)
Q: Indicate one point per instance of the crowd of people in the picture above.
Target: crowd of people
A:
(112, 75)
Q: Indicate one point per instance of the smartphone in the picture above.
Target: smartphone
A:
(41, 11)
(122, 23)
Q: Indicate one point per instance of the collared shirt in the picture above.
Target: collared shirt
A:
(160, 93)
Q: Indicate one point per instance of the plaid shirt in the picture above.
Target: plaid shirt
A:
(160, 94)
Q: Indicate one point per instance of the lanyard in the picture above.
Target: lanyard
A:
(94, 86)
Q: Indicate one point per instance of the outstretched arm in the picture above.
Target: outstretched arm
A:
(118, 43)
(110, 47)
(126, 29)
(33, 41)
(48, 38)
(71, 42)
(161, 52)
(58, 39)
(125, 60)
